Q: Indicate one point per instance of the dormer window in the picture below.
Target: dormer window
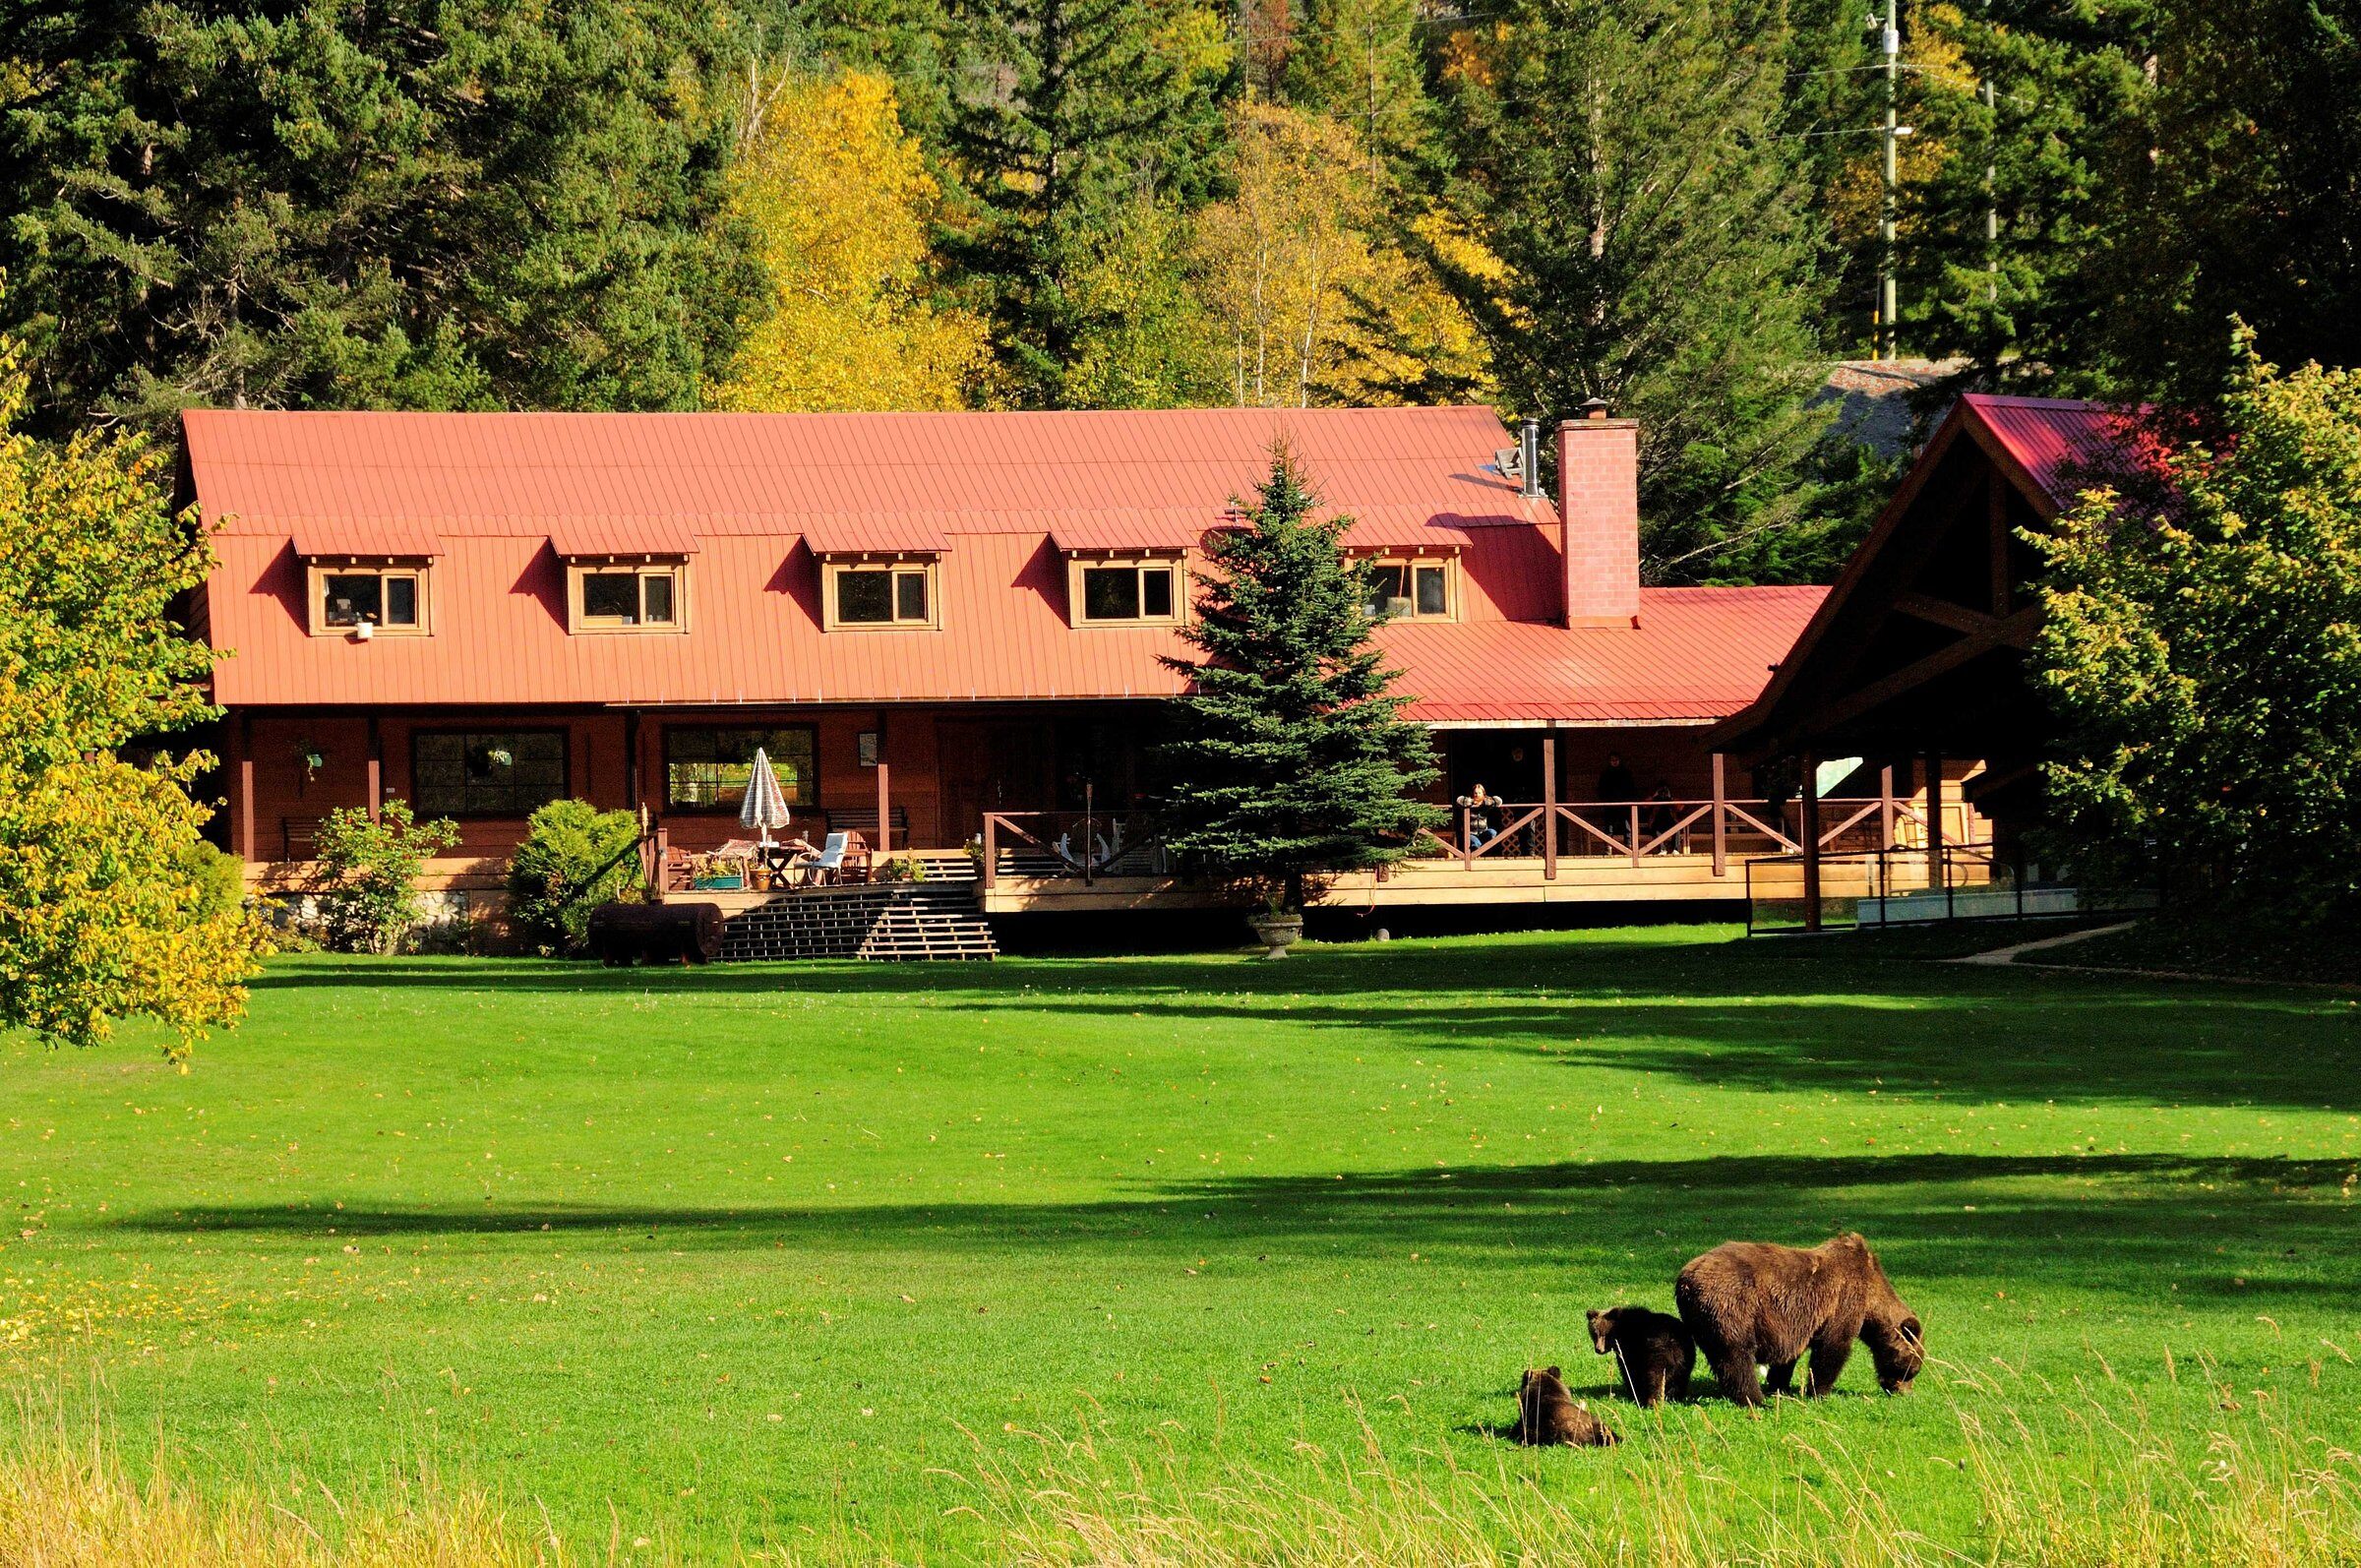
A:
(627, 596)
(1120, 592)
(1416, 589)
(879, 596)
(368, 598)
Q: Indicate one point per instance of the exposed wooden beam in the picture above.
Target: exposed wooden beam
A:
(1958, 618)
(2003, 634)
(1996, 525)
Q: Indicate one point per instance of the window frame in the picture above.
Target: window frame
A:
(563, 733)
(808, 784)
(319, 569)
(581, 569)
(1077, 601)
(895, 567)
(1409, 562)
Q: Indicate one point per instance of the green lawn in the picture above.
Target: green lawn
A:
(737, 1251)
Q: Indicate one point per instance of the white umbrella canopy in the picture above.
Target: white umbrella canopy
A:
(765, 803)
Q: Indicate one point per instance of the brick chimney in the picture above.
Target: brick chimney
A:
(1599, 497)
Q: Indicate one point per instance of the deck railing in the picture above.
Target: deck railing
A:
(1090, 844)
(1634, 830)
(1087, 843)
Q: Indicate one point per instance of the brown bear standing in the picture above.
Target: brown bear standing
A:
(1754, 1302)
(1653, 1350)
(1547, 1415)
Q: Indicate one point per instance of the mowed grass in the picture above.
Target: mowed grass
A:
(762, 1256)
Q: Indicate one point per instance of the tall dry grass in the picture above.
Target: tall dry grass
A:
(2083, 1477)
(2087, 1480)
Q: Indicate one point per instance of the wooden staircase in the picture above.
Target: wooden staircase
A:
(892, 922)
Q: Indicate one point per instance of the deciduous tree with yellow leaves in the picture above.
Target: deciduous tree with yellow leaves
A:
(112, 904)
(841, 200)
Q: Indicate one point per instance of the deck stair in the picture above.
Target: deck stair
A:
(936, 919)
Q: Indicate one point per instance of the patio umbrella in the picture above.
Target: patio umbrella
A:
(766, 805)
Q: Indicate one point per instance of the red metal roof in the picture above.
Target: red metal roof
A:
(387, 538)
(877, 533)
(575, 537)
(1698, 654)
(2064, 446)
(1000, 496)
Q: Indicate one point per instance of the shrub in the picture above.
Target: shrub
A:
(903, 868)
(217, 878)
(575, 858)
(369, 873)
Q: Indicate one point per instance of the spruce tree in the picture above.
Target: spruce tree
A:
(423, 204)
(1648, 240)
(1291, 757)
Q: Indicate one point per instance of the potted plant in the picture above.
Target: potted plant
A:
(1275, 926)
(712, 873)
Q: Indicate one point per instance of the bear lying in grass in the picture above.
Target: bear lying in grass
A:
(1547, 1415)
(1746, 1303)
(1653, 1350)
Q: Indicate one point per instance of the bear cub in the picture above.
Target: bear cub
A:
(1547, 1415)
(1653, 1351)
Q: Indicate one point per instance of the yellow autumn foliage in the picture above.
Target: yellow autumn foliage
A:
(112, 904)
(840, 199)
(1315, 298)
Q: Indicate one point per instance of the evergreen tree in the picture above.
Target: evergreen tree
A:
(1068, 112)
(1624, 166)
(2237, 193)
(1291, 756)
(2028, 122)
(415, 204)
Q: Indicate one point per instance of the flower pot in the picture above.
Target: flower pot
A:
(1277, 932)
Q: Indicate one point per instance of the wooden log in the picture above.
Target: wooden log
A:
(680, 934)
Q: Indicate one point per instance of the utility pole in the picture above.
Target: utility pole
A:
(1889, 337)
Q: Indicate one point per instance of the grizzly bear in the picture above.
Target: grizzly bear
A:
(1547, 1415)
(1754, 1302)
(1654, 1351)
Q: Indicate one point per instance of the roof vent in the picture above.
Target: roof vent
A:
(1529, 457)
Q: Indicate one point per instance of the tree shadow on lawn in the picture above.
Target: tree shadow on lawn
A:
(2131, 1225)
(1967, 1045)
(1712, 1011)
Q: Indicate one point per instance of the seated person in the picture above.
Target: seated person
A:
(1482, 817)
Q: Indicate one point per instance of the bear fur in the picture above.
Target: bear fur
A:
(1654, 1351)
(1750, 1303)
(1548, 1415)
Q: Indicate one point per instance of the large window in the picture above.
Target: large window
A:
(858, 594)
(705, 770)
(1125, 592)
(634, 598)
(390, 598)
(1409, 590)
(485, 772)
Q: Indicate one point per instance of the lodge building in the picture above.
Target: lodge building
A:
(948, 632)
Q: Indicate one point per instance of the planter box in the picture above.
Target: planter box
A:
(717, 885)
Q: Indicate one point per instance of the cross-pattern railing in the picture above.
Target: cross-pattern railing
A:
(1088, 844)
(1638, 829)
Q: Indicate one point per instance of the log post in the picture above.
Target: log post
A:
(242, 823)
(377, 770)
(885, 796)
(1467, 848)
(1721, 815)
(1937, 873)
(1549, 807)
(1811, 842)
(992, 853)
(1635, 832)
